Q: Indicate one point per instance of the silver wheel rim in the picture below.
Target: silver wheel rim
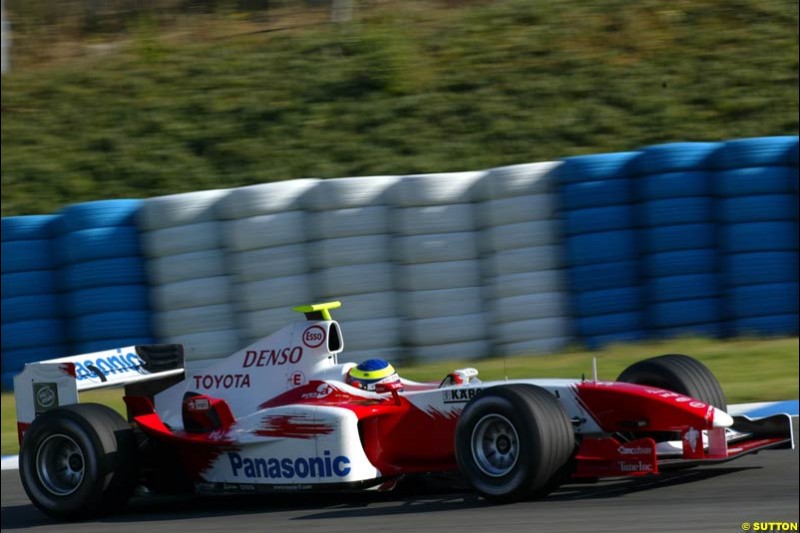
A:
(495, 445)
(60, 465)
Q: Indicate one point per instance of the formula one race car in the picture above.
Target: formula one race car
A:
(284, 415)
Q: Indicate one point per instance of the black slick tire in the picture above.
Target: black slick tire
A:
(512, 442)
(677, 373)
(96, 448)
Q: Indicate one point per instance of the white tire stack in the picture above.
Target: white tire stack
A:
(190, 290)
(436, 249)
(265, 237)
(350, 255)
(524, 276)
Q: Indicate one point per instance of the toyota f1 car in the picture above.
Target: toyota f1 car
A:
(279, 415)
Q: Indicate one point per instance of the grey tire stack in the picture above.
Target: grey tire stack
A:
(190, 289)
(265, 235)
(436, 249)
(350, 254)
(524, 274)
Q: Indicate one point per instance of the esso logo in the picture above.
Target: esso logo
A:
(313, 336)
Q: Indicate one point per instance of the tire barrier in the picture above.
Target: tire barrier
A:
(601, 246)
(524, 282)
(350, 254)
(756, 186)
(176, 210)
(676, 213)
(190, 287)
(32, 322)
(105, 294)
(675, 239)
(265, 242)
(435, 223)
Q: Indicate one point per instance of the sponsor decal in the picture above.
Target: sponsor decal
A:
(635, 450)
(45, 396)
(108, 365)
(678, 398)
(638, 466)
(291, 488)
(198, 404)
(222, 381)
(296, 379)
(314, 336)
(281, 356)
(691, 437)
(218, 435)
(459, 395)
(323, 390)
(326, 466)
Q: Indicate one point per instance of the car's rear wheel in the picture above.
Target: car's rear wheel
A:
(78, 461)
(677, 373)
(512, 442)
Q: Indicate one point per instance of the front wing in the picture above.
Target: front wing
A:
(615, 457)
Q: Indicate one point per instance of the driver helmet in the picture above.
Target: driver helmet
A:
(370, 373)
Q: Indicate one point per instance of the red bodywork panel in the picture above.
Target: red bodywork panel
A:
(397, 436)
(627, 407)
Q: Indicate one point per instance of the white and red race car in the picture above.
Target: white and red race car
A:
(279, 416)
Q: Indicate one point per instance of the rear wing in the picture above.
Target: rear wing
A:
(48, 384)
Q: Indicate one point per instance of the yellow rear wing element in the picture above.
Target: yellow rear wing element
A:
(317, 311)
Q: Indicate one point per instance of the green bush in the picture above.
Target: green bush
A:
(409, 87)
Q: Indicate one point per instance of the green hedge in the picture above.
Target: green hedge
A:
(410, 87)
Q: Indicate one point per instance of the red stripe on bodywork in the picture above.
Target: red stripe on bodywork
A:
(22, 427)
(68, 369)
(742, 448)
(295, 426)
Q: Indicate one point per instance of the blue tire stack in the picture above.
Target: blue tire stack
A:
(596, 194)
(756, 187)
(32, 328)
(677, 239)
(103, 276)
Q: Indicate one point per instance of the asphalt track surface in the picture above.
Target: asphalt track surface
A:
(757, 488)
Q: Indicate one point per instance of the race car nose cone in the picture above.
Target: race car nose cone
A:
(721, 419)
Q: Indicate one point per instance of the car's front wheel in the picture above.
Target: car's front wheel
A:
(78, 461)
(677, 373)
(512, 441)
